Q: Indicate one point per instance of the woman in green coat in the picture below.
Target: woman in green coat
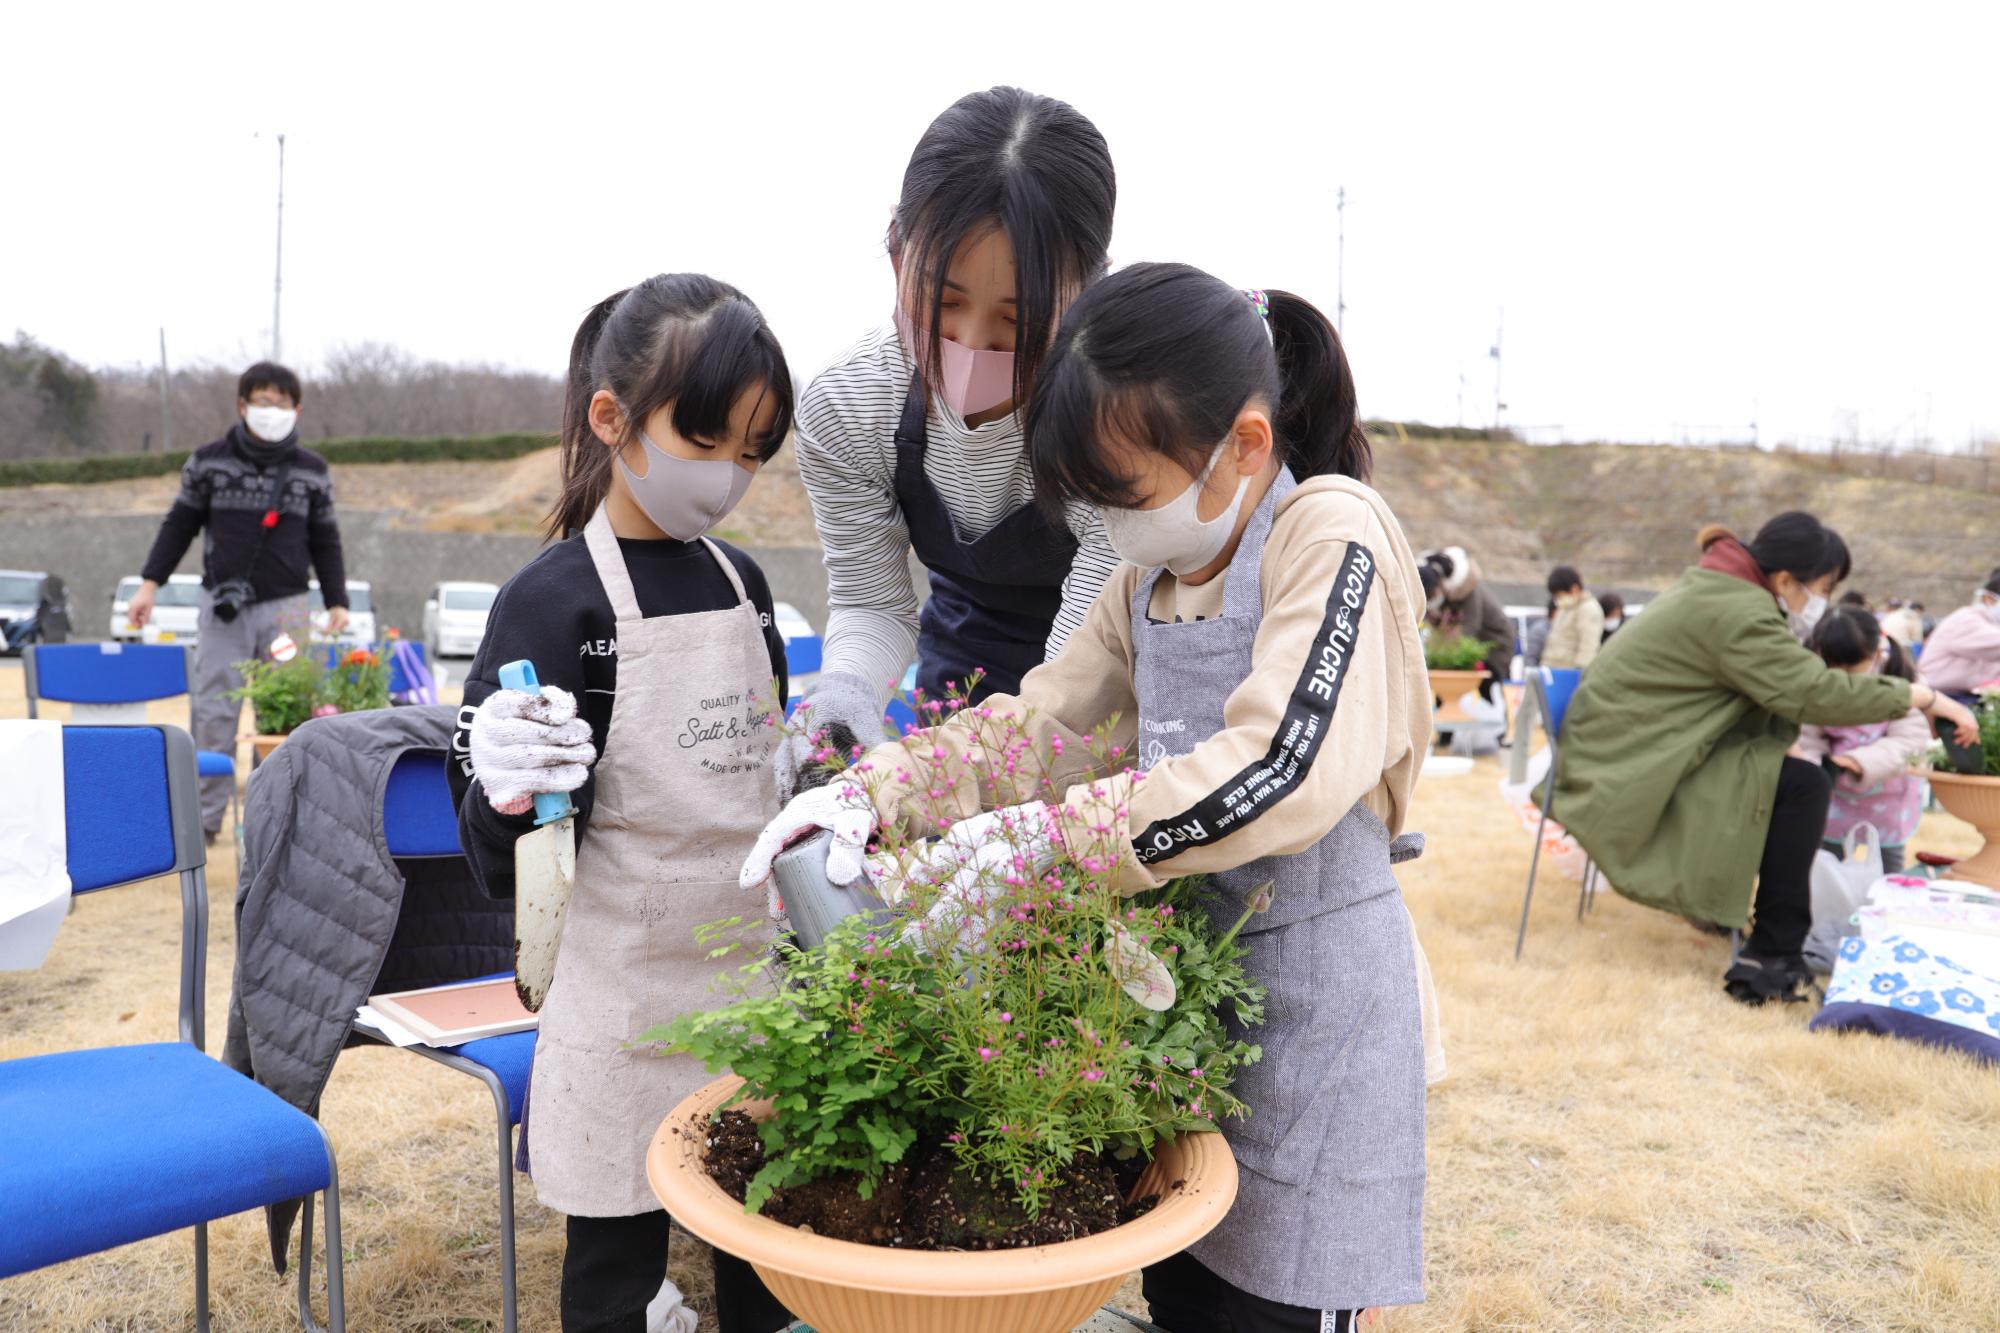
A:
(1674, 774)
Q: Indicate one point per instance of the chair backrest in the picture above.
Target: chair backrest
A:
(104, 673)
(1555, 686)
(804, 654)
(132, 811)
(418, 817)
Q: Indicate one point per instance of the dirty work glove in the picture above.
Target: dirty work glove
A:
(668, 1313)
(975, 869)
(526, 744)
(836, 697)
(842, 806)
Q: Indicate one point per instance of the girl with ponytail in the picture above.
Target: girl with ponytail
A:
(1257, 659)
(656, 652)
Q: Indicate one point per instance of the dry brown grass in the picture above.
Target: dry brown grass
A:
(1619, 1147)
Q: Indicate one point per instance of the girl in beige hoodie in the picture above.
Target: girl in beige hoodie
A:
(1258, 663)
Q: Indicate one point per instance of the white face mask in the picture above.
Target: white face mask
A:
(273, 425)
(1988, 603)
(1803, 620)
(1172, 535)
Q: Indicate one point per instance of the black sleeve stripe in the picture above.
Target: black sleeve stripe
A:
(1308, 720)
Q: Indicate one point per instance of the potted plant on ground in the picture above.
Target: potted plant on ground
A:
(927, 1134)
(1457, 664)
(293, 687)
(1967, 784)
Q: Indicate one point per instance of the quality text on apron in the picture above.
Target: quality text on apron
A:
(1329, 1210)
(993, 599)
(683, 788)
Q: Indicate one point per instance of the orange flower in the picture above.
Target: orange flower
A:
(359, 657)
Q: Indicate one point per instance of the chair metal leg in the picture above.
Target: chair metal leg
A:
(1587, 892)
(503, 1115)
(201, 1277)
(1534, 863)
(336, 1286)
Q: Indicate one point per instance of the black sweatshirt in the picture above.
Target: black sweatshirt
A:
(555, 613)
(226, 490)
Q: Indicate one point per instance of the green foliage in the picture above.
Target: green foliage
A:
(1020, 1056)
(1454, 652)
(1398, 430)
(281, 694)
(286, 695)
(121, 467)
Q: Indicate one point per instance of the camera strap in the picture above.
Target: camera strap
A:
(273, 512)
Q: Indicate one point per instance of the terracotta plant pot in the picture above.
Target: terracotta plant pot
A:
(1977, 802)
(1450, 687)
(839, 1286)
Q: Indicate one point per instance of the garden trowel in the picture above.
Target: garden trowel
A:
(544, 871)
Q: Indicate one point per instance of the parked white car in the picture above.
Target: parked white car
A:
(360, 629)
(455, 618)
(176, 611)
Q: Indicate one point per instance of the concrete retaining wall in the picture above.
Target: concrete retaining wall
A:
(92, 554)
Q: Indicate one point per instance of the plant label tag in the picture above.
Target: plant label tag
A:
(1144, 977)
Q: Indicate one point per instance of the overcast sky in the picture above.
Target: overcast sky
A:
(1693, 216)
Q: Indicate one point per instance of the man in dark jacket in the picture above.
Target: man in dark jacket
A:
(259, 550)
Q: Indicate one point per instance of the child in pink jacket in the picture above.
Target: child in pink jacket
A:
(1963, 652)
(1875, 784)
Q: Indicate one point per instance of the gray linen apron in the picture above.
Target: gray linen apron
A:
(1329, 1214)
(683, 788)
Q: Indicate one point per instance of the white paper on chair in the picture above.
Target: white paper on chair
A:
(392, 1032)
(34, 843)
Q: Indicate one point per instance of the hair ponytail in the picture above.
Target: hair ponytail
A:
(1165, 357)
(1318, 416)
(583, 462)
(684, 339)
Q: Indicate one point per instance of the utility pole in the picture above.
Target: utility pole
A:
(278, 278)
(1498, 406)
(166, 412)
(1461, 395)
(1340, 265)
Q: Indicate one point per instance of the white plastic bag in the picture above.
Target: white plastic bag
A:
(1840, 886)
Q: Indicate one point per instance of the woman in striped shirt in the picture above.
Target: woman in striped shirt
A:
(912, 441)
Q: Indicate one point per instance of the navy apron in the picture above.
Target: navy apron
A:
(1329, 1205)
(993, 599)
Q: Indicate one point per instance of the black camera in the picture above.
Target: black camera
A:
(230, 597)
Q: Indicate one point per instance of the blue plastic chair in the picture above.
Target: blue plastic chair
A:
(804, 655)
(100, 1148)
(95, 676)
(1553, 688)
(419, 819)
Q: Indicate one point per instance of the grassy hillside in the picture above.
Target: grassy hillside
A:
(1624, 514)
(1628, 513)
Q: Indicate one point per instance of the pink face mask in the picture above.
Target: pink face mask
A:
(972, 382)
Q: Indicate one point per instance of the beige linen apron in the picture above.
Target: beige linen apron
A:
(683, 787)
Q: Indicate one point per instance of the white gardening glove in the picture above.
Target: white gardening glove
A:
(668, 1313)
(842, 806)
(526, 744)
(836, 697)
(975, 867)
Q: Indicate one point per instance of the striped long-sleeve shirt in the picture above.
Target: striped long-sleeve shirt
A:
(847, 457)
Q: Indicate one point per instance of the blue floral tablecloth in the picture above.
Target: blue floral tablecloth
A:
(1898, 987)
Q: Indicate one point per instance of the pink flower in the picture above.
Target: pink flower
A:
(987, 1053)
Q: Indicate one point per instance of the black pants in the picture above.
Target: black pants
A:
(1784, 879)
(1186, 1297)
(613, 1268)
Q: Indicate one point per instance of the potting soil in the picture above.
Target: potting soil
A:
(927, 1201)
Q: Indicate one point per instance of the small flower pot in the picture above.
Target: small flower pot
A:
(839, 1286)
(1977, 802)
(1450, 687)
